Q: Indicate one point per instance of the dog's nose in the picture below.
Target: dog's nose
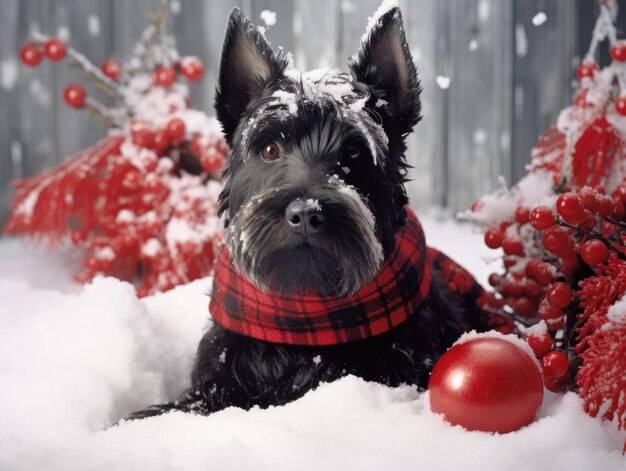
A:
(304, 216)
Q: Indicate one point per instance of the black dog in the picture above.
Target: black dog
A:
(313, 199)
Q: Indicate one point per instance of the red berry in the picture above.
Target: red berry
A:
(508, 262)
(211, 160)
(554, 239)
(533, 289)
(192, 68)
(161, 141)
(111, 68)
(143, 138)
(79, 236)
(74, 96)
(605, 206)
(544, 275)
(513, 247)
(555, 364)
(30, 55)
(542, 218)
(164, 76)
(541, 344)
(175, 129)
(553, 384)
(54, 49)
(581, 98)
(618, 210)
(531, 267)
(618, 52)
(132, 179)
(494, 279)
(586, 69)
(620, 105)
(568, 204)
(522, 214)
(524, 307)
(559, 294)
(476, 206)
(548, 312)
(511, 288)
(594, 252)
(589, 198)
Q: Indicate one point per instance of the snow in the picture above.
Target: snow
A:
(443, 81)
(539, 19)
(8, 74)
(268, 17)
(77, 359)
(93, 25)
(617, 312)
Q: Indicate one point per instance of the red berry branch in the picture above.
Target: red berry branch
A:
(141, 203)
(561, 230)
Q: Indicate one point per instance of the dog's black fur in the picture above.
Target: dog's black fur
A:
(347, 158)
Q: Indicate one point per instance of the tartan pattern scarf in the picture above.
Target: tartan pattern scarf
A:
(395, 294)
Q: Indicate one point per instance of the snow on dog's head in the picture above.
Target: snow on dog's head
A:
(333, 137)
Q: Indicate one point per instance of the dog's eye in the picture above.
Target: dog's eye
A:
(270, 151)
(352, 152)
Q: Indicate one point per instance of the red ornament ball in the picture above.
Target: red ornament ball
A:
(175, 129)
(111, 68)
(486, 384)
(620, 105)
(74, 96)
(30, 55)
(594, 252)
(555, 364)
(618, 52)
(192, 68)
(54, 49)
(164, 76)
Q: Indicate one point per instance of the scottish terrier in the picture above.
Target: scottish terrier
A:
(324, 271)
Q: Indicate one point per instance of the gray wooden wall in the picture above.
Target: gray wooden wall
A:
(508, 77)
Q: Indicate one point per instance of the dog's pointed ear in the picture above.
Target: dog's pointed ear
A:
(247, 65)
(384, 63)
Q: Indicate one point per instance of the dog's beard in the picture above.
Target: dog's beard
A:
(339, 259)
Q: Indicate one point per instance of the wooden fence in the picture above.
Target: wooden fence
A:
(494, 75)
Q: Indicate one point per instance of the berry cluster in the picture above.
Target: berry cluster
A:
(191, 68)
(540, 264)
(141, 203)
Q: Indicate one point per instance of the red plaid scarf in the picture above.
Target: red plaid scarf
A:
(388, 300)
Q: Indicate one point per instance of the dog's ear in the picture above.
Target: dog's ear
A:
(247, 65)
(384, 63)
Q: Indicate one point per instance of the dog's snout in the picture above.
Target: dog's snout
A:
(304, 216)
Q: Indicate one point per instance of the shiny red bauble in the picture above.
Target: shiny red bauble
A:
(620, 105)
(54, 49)
(175, 129)
(486, 384)
(111, 68)
(164, 76)
(30, 55)
(192, 68)
(74, 96)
